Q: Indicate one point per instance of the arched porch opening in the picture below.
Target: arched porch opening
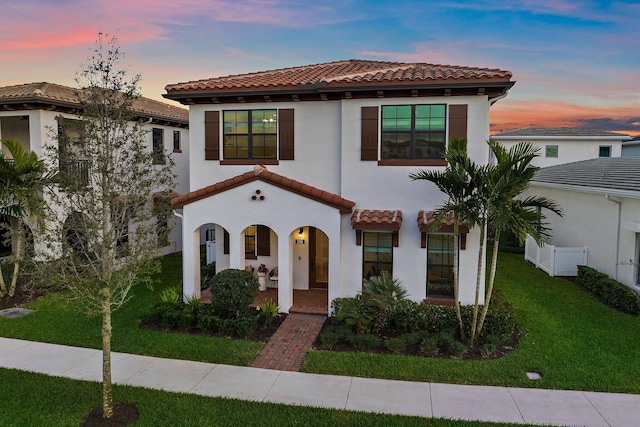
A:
(310, 265)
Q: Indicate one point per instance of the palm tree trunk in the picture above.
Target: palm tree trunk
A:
(456, 279)
(17, 258)
(479, 280)
(3, 285)
(107, 395)
(492, 276)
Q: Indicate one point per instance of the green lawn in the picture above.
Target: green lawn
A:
(60, 321)
(38, 400)
(568, 337)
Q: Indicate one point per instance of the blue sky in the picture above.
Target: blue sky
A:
(576, 63)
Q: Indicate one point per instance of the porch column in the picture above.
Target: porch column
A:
(190, 263)
(334, 286)
(285, 273)
(236, 256)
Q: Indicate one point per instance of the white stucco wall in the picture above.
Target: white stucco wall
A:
(41, 128)
(589, 219)
(570, 149)
(327, 156)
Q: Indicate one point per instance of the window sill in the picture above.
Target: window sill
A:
(250, 162)
(420, 162)
(177, 150)
(250, 256)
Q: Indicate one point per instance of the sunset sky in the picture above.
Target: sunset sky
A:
(576, 63)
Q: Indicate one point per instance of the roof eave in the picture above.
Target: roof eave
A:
(588, 189)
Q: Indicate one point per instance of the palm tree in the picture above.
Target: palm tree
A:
(455, 182)
(504, 183)
(24, 176)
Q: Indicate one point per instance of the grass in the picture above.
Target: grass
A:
(571, 339)
(568, 337)
(58, 320)
(30, 399)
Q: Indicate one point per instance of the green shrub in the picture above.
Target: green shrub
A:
(206, 320)
(383, 289)
(428, 345)
(396, 345)
(364, 342)
(169, 313)
(172, 294)
(331, 338)
(414, 338)
(233, 292)
(614, 293)
(487, 349)
(356, 313)
(457, 348)
(207, 271)
(269, 310)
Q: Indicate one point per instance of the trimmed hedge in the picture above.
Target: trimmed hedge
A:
(614, 293)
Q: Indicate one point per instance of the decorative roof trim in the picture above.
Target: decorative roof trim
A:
(261, 173)
(375, 220)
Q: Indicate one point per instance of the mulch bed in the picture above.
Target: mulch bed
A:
(17, 300)
(472, 353)
(124, 414)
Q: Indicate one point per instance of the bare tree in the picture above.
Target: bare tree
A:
(104, 239)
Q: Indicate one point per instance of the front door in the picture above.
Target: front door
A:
(318, 259)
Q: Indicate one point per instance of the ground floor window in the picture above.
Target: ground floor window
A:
(378, 254)
(440, 265)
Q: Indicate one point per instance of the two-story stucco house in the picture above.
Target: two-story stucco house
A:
(307, 169)
(559, 145)
(32, 113)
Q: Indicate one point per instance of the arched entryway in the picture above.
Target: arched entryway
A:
(310, 270)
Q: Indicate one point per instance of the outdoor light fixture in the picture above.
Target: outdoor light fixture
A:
(300, 231)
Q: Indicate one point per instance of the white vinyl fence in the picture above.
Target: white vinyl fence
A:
(555, 261)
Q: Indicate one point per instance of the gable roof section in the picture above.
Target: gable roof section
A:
(31, 96)
(262, 174)
(552, 132)
(619, 175)
(339, 77)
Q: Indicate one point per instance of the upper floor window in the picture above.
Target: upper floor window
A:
(158, 146)
(604, 151)
(551, 151)
(176, 141)
(250, 134)
(411, 132)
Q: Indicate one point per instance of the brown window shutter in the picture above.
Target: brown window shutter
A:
(285, 130)
(458, 121)
(369, 134)
(225, 242)
(263, 237)
(212, 135)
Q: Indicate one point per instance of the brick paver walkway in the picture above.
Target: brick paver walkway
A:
(287, 348)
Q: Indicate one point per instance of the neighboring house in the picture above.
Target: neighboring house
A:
(600, 199)
(307, 169)
(31, 113)
(631, 148)
(565, 145)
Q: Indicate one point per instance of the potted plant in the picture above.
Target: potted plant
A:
(262, 276)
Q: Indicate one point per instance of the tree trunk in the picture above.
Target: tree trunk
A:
(479, 280)
(18, 256)
(107, 396)
(492, 276)
(456, 279)
(3, 285)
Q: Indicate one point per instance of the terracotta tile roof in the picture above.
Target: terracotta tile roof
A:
(427, 218)
(365, 219)
(261, 173)
(54, 94)
(348, 73)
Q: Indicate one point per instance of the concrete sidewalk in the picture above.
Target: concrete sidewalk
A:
(497, 404)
